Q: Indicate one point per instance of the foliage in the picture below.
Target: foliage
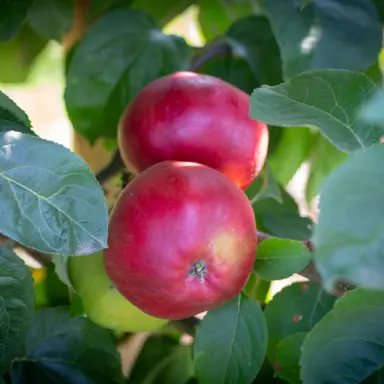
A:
(312, 71)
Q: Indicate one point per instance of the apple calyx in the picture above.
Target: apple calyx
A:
(198, 269)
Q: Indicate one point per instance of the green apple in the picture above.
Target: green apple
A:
(103, 303)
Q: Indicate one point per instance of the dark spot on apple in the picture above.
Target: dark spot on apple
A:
(198, 269)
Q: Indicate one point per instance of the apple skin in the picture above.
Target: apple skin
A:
(103, 303)
(195, 118)
(182, 240)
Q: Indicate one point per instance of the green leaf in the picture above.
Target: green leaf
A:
(372, 111)
(18, 55)
(282, 220)
(16, 305)
(278, 259)
(349, 235)
(162, 360)
(297, 308)
(325, 99)
(232, 69)
(215, 16)
(12, 117)
(264, 186)
(256, 288)
(290, 152)
(314, 37)
(347, 345)
(120, 54)
(288, 353)
(163, 11)
(99, 7)
(231, 342)
(252, 39)
(12, 16)
(324, 158)
(61, 269)
(51, 18)
(63, 350)
(49, 197)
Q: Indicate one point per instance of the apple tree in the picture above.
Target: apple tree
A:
(311, 73)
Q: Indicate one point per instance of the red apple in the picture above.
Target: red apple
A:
(182, 240)
(196, 118)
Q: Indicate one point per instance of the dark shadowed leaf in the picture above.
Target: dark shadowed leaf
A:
(63, 350)
(297, 308)
(349, 235)
(61, 269)
(99, 7)
(230, 343)
(120, 54)
(13, 118)
(232, 69)
(18, 55)
(163, 11)
(324, 158)
(163, 360)
(347, 345)
(51, 18)
(278, 259)
(325, 34)
(16, 305)
(282, 220)
(12, 16)
(49, 197)
(329, 100)
(251, 38)
(288, 352)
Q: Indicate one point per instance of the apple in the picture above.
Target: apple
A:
(182, 240)
(103, 303)
(193, 117)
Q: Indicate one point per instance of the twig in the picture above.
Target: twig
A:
(115, 166)
(218, 48)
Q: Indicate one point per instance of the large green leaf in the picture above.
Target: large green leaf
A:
(215, 16)
(349, 235)
(12, 16)
(297, 308)
(51, 18)
(98, 7)
(18, 55)
(252, 39)
(49, 200)
(63, 350)
(324, 158)
(329, 100)
(325, 34)
(121, 53)
(278, 259)
(230, 343)
(163, 360)
(16, 305)
(347, 345)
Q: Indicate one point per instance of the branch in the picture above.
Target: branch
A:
(115, 166)
(219, 48)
